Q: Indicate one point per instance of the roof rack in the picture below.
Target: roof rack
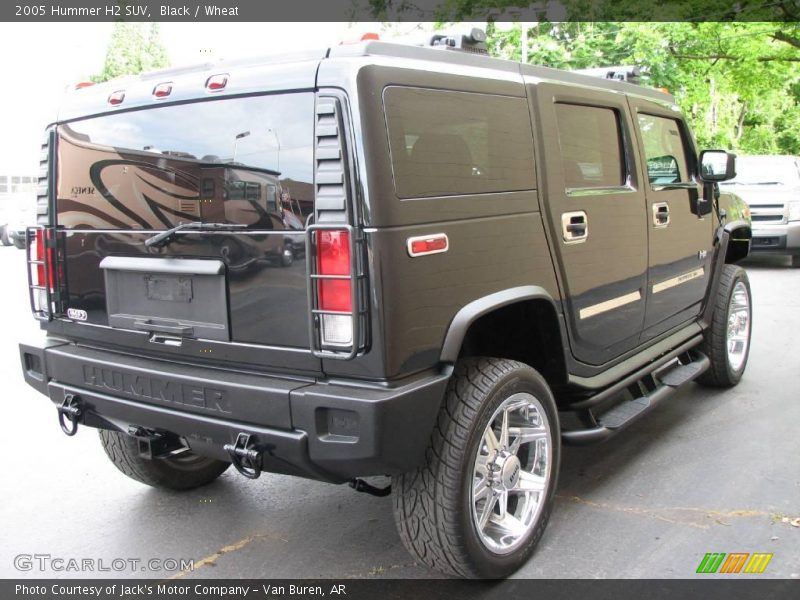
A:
(629, 73)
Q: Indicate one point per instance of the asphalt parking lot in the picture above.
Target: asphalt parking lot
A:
(708, 471)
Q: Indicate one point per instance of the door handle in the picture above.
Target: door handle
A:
(574, 227)
(660, 215)
(148, 325)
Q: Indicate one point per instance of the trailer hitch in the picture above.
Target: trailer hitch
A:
(154, 444)
(70, 409)
(245, 456)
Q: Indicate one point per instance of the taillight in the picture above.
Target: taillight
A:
(40, 291)
(43, 276)
(333, 258)
(39, 257)
(334, 289)
(44, 256)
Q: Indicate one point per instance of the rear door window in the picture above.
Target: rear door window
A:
(591, 146)
(448, 143)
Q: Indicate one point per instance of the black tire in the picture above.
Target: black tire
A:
(722, 373)
(183, 472)
(795, 258)
(433, 506)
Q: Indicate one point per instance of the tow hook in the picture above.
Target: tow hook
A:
(72, 410)
(360, 485)
(245, 456)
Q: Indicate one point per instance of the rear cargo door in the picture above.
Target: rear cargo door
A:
(232, 295)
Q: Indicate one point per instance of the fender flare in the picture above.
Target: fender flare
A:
(734, 240)
(732, 243)
(471, 312)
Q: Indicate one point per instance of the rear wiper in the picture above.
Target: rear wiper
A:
(165, 237)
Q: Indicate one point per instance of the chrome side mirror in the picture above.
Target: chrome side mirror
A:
(717, 165)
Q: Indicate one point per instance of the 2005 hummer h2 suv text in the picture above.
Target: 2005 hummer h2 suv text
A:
(380, 259)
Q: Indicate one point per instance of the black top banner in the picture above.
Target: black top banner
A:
(399, 10)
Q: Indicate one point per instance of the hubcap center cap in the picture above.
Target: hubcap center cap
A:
(509, 471)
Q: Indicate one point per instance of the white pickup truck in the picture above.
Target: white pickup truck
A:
(771, 187)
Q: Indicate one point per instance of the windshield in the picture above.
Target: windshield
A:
(766, 170)
(238, 161)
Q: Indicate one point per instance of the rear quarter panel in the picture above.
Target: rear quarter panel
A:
(496, 240)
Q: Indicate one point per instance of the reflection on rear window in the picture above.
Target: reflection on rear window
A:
(225, 160)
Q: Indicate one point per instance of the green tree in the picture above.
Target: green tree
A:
(738, 82)
(587, 10)
(732, 65)
(133, 48)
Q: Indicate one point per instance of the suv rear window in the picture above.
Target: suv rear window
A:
(223, 160)
(448, 143)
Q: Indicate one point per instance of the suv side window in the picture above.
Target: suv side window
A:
(447, 143)
(591, 146)
(664, 149)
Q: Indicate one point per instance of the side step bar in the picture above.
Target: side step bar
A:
(646, 393)
(637, 375)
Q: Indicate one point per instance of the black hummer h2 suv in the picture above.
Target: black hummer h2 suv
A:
(380, 259)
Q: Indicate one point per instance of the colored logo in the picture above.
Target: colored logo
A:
(735, 562)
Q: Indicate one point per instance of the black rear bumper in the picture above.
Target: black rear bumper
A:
(330, 432)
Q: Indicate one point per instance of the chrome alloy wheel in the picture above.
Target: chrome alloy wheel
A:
(738, 332)
(511, 473)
